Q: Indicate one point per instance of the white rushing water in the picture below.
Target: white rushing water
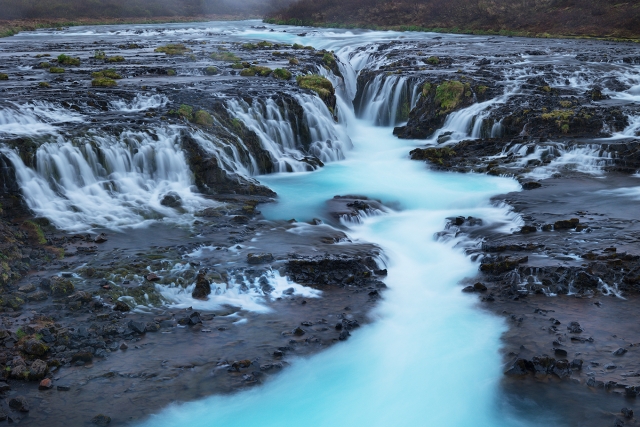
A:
(431, 357)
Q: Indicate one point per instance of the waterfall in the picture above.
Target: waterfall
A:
(34, 118)
(107, 181)
(387, 100)
(293, 142)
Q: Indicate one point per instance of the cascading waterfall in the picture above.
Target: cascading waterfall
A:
(387, 100)
(290, 143)
(34, 118)
(107, 181)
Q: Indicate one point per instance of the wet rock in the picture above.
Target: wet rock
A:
(630, 391)
(38, 370)
(101, 420)
(194, 319)
(19, 403)
(479, 287)
(30, 287)
(574, 328)
(171, 200)
(203, 287)
(45, 384)
(567, 224)
(240, 219)
(576, 364)
(627, 413)
(528, 229)
(259, 258)
(83, 356)
(531, 185)
(344, 335)
(152, 327)
(137, 326)
(152, 277)
(100, 238)
(520, 367)
(124, 346)
(61, 287)
(34, 347)
(619, 352)
(38, 296)
(299, 331)
(63, 387)
(560, 352)
(121, 306)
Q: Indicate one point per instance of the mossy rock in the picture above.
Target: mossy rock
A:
(237, 66)
(297, 46)
(61, 287)
(173, 49)
(99, 54)
(44, 65)
(110, 73)
(281, 73)
(203, 118)
(224, 56)
(321, 85)
(34, 232)
(4, 76)
(44, 84)
(56, 70)
(116, 58)
(185, 111)
(68, 60)
(256, 71)
(433, 60)
(265, 44)
(34, 347)
(250, 46)
(329, 59)
(210, 71)
(293, 61)
(103, 82)
(449, 95)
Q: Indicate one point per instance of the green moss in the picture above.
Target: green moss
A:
(566, 104)
(545, 89)
(103, 82)
(4, 76)
(297, 46)
(68, 60)
(171, 72)
(45, 85)
(558, 115)
(281, 73)
(329, 59)
(480, 90)
(116, 58)
(20, 333)
(448, 95)
(237, 66)
(110, 73)
(173, 49)
(34, 232)
(185, 111)
(265, 44)
(210, 71)
(237, 124)
(250, 46)
(256, 71)
(224, 56)
(318, 84)
(44, 65)
(433, 60)
(56, 70)
(426, 88)
(203, 118)
(293, 61)
(42, 55)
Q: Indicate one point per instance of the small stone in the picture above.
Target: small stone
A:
(63, 387)
(627, 413)
(299, 331)
(344, 335)
(619, 352)
(259, 258)
(100, 238)
(38, 369)
(560, 352)
(152, 277)
(574, 328)
(34, 347)
(121, 306)
(30, 287)
(137, 327)
(124, 346)
(19, 403)
(45, 384)
(479, 287)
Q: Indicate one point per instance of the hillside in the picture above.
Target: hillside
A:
(599, 18)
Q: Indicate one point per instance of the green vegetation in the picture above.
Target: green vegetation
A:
(256, 71)
(426, 88)
(480, 90)
(44, 84)
(110, 73)
(237, 66)
(433, 60)
(173, 49)
(34, 232)
(250, 46)
(297, 46)
(328, 59)
(561, 118)
(281, 73)
(448, 95)
(265, 44)
(99, 54)
(210, 71)
(203, 118)
(185, 111)
(293, 61)
(20, 334)
(42, 55)
(116, 58)
(56, 70)
(103, 82)
(318, 84)
(171, 72)
(44, 65)
(4, 76)
(566, 104)
(224, 56)
(68, 60)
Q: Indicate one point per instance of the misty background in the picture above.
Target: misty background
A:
(96, 9)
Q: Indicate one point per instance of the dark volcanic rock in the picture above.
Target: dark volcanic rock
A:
(203, 287)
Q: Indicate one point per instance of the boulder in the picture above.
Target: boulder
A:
(34, 347)
(259, 258)
(19, 403)
(38, 370)
(203, 287)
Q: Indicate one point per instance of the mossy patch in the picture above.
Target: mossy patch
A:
(116, 58)
(224, 56)
(256, 71)
(329, 59)
(68, 60)
(437, 156)
(185, 111)
(4, 76)
(110, 73)
(56, 70)
(265, 44)
(103, 82)
(44, 84)
(173, 49)
(210, 71)
(448, 95)
(321, 85)
(203, 118)
(171, 72)
(34, 232)
(237, 66)
(433, 60)
(293, 61)
(281, 73)
(99, 54)
(44, 65)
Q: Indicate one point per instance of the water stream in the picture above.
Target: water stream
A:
(431, 357)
